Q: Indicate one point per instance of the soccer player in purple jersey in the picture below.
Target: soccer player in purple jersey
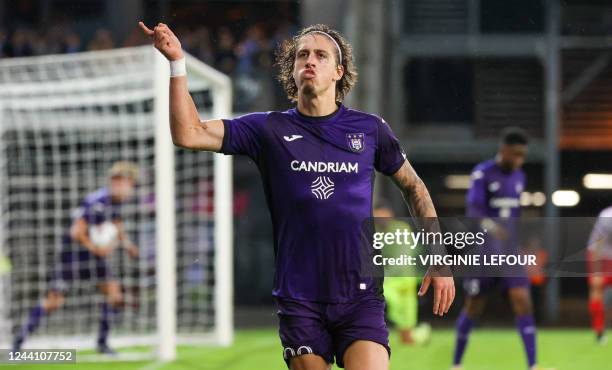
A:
(317, 163)
(494, 194)
(82, 259)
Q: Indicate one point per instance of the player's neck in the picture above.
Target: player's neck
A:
(500, 164)
(317, 106)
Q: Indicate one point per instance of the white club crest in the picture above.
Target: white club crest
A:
(356, 142)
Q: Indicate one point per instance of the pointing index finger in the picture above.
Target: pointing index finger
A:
(146, 29)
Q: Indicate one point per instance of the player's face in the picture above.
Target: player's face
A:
(513, 156)
(316, 68)
(121, 188)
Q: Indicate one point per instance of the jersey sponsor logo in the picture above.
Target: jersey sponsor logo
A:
(322, 187)
(292, 137)
(334, 167)
(505, 205)
(504, 202)
(356, 142)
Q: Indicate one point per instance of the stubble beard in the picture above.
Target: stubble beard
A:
(308, 90)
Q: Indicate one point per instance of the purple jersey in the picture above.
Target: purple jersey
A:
(495, 192)
(318, 176)
(96, 208)
(76, 262)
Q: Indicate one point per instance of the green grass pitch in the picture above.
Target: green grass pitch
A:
(489, 349)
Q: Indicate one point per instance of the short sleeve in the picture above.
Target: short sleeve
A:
(389, 154)
(242, 135)
(476, 196)
(83, 211)
(87, 211)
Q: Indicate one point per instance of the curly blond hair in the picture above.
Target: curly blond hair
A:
(285, 60)
(124, 169)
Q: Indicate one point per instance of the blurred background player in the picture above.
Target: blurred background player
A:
(96, 230)
(494, 194)
(400, 285)
(599, 260)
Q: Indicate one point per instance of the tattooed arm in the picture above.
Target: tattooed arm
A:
(421, 206)
(414, 191)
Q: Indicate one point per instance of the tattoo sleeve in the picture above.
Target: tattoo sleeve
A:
(421, 208)
(414, 191)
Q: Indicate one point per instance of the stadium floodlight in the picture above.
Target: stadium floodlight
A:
(64, 119)
(538, 199)
(565, 198)
(535, 199)
(459, 182)
(597, 181)
(525, 199)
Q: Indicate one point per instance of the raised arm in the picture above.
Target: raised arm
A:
(185, 126)
(420, 204)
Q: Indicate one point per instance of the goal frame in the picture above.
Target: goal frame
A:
(166, 337)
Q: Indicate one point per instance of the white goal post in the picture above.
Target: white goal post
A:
(64, 119)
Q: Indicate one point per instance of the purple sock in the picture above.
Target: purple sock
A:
(526, 327)
(463, 327)
(30, 326)
(104, 323)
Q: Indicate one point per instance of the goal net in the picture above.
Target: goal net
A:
(64, 120)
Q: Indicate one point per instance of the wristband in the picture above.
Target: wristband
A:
(178, 68)
(488, 224)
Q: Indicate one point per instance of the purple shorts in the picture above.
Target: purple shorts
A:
(79, 265)
(328, 329)
(483, 285)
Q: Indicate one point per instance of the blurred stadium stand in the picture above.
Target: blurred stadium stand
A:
(237, 37)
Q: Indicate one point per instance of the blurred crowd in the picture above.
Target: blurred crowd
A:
(246, 56)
